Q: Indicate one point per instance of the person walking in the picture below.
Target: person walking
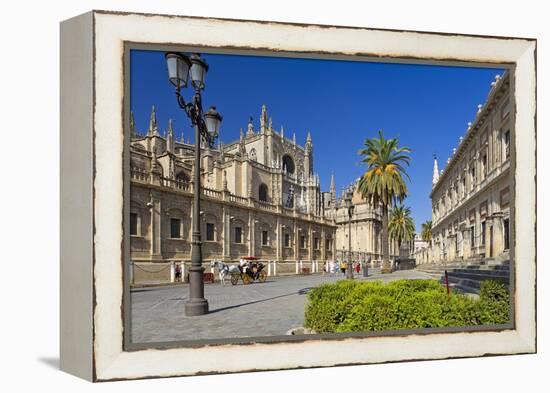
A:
(343, 267)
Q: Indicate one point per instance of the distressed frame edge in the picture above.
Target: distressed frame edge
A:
(129, 346)
(76, 208)
(530, 340)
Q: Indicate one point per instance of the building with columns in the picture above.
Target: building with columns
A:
(471, 196)
(365, 231)
(261, 197)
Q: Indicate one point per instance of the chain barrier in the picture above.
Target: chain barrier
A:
(155, 271)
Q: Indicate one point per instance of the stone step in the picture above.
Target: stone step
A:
(467, 289)
(474, 284)
(438, 269)
(489, 273)
(435, 269)
(462, 287)
(473, 274)
(476, 277)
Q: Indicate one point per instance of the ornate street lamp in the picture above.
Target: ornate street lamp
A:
(207, 125)
(349, 205)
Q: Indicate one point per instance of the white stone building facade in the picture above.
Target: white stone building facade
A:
(471, 196)
(365, 229)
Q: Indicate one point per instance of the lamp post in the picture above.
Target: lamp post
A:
(350, 207)
(180, 68)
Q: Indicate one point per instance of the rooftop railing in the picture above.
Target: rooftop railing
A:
(144, 177)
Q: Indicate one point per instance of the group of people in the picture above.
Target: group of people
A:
(335, 267)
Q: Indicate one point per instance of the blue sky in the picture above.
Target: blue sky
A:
(340, 102)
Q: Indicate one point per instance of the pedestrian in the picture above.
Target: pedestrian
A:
(357, 267)
(243, 265)
(325, 267)
(178, 272)
(343, 267)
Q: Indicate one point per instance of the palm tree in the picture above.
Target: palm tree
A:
(426, 233)
(383, 182)
(401, 225)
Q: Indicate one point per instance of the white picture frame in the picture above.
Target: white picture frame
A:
(92, 193)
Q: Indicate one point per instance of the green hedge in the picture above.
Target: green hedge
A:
(353, 306)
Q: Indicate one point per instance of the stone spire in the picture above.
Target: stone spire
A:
(170, 137)
(308, 159)
(332, 187)
(263, 120)
(309, 143)
(270, 126)
(153, 128)
(242, 147)
(132, 125)
(294, 138)
(282, 131)
(250, 130)
(182, 137)
(435, 177)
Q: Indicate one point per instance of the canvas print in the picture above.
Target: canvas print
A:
(275, 197)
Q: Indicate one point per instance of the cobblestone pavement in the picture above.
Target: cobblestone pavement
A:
(259, 309)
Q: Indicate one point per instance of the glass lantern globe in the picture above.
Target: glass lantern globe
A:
(198, 71)
(213, 121)
(178, 69)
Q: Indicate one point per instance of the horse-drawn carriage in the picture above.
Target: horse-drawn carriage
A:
(248, 270)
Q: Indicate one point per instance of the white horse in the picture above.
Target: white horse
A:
(224, 269)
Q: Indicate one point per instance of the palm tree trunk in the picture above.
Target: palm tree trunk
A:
(398, 248)
(386, 267)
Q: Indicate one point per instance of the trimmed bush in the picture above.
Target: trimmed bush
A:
(353, 306)
(495, 301)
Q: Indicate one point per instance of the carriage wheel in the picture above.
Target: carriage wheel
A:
(246, 278)
(263, 276)
(234, 279)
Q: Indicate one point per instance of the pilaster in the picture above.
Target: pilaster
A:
(156, 228)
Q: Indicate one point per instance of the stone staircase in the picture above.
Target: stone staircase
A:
(466, 276)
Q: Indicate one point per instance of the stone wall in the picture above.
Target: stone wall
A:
(164, 272)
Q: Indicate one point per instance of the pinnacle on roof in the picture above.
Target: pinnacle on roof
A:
(435, 177)
(250, 130)
(132, 125)
(153, 128)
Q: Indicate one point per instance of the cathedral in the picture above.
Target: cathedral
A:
(260, 197)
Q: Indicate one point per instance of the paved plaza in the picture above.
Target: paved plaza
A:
(259, 309)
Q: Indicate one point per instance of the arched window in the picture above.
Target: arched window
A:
(262, 193)
(288, 164)
(253, 155)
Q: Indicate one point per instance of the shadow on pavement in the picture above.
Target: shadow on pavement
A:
(302, 291)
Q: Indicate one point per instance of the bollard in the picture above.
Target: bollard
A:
(172, 271)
